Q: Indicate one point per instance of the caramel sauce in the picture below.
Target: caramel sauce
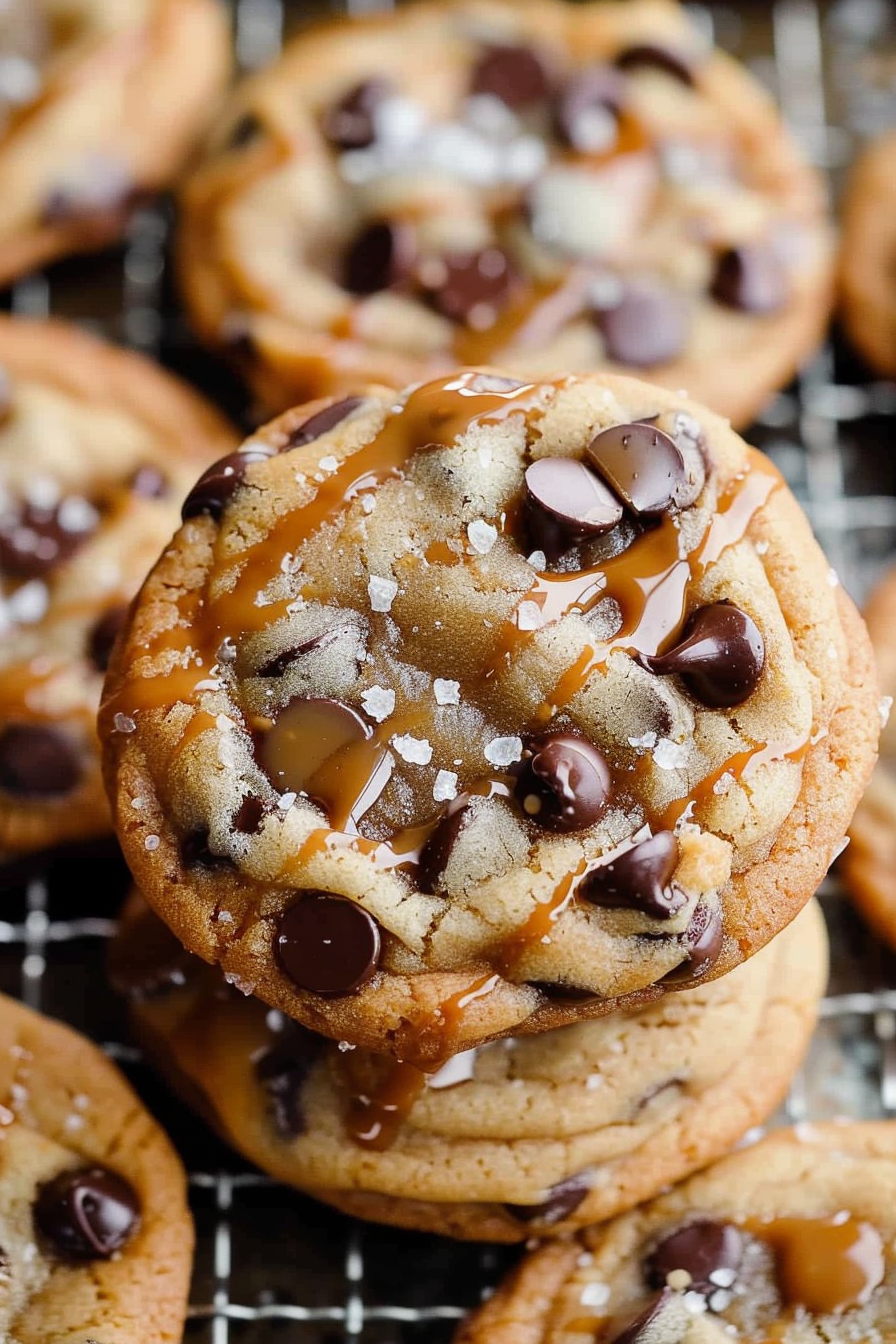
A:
(541, 921)
(374, 1121)
(824, 1264)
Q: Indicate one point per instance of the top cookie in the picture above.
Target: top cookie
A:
(538, 185)
(99, 101)
(486, 706)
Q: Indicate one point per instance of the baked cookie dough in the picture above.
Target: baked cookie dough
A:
(97, 449)
(485, 708)
(868, 256)
(96, 1234)
(789, 1240)
(538, 185)
(100, 100)
(527, 1136)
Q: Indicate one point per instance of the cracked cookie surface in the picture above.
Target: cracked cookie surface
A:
(424, 747)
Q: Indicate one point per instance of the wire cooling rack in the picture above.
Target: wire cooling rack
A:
(271, 1267)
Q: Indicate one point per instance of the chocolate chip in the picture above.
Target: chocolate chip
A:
(87, 1214)
(195, 853)
(103, 635)
(639, 879)
(247, 129)
(381, 256)
(215, 486)
(572, 496)
(720, 656)
(564, 783)
(703, 1248)
(586, 112)
(641, 464)
(664, 1312)
(308, 732)
(648, 324)
(249, 815)
(276, 666)
(148, 482)
(327, 944)
(655, 56)
(34, 538)
(751, 279)
(351, 123)
(562, 1201)
(516, 75)
(282, 1071)
(146, 959)
(323, 422)
(439, 847)
(38, 761)
(703, 940)
(470, 287)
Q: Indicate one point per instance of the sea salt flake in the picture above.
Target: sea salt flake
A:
(594, 1081)
(330, 463)
(345, 1046)
(414, 750)
(695, 1303)
(833, 578)
(445, 787)
(644, 743)
(378, 702)
(722, 1278)
(504, 750)
(528, 616)
(538, 560)
(447, 692)
(123, 723)
(723, 784)
(382, 592)
(482, 536)
(368, 503)
(151, 842)
(595, 1295)
(76, 514)
(761, 547)
(670, 755)
(29, 603)
(286, 800)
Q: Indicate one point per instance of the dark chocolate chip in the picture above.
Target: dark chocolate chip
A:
(35, 538)
(703, 941)
(323, 422)
(470, 287)
(327, 944)
(639, 879)
(665, 1311)
(103, 636)
(148, 482)
(87, 1214)
(572, 495)
(586, 112)
(146, 959)
(720, 657)
(282, 1071)
(647, 326)
(351, 123)
(563, 1199)
(246, 130)
(564, 782)
(657, 1090)
(516, 75)
(276, 666)
(249, 815)
(641, 464)
(195, 853)
(654, 55)
(380, 257)
(439, 847)
(38, 761)
(751, 279)
(702, 1248)
(215, 486)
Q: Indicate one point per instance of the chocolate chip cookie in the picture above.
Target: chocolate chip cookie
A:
(96, 1234)
(97, 449)
(867, 284)
(485, 708)
(94, 112)
(534, 1135)
(537, 185)
(791, 1239)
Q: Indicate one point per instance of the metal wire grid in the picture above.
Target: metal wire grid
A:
(270, 1265)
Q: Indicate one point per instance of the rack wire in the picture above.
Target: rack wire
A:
(272, 1267)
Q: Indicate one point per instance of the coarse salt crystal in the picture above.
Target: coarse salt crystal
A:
(138, 804)
(538, 560)
(382, 592)
(286, 800)
(123, 723)
(528, 616)
(644, 743)
(482, 536)
(368, 503)
(885, 704)
(595, 1295)
(414, 750)
(670, 755)
(593, 1082)
(445, 787)
(151, 842)
(833, 578)
(446, 692)
(723, 784)
(504, 750)
(330, 463)
(378, 702)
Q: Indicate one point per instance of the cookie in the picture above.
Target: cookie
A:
(97, 449)
(99, 104)
(869, 862)
(541, 186)
(534, 1135)
(485, 708)
(788, 1240)
(96, 1234)
(867, 285)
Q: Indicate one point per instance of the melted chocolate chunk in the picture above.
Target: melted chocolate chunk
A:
(639, 879)
(439, 847)
(641, 464)
(87, 1214)
(470, 287)
(562, 1201)
(586, 112)
(249, 815)
(195, 853)
(351, 123)
(282, 1071)
(564, 783)
(327, 944)
(751, 279)
(34, 538)
(516, 75)
(322, 422)
(38, 761)
(103, 635)
(146, 959)
(573, 496)
(148, 482)
(656, 56)
(216, 485)
(704, 1248)
(381, 257)
(648, 326)
(720, 657)
(646, 1325)
(703, 940)
(246, 130)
